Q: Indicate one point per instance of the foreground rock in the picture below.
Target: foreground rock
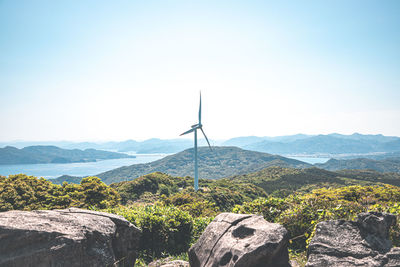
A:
(361, 243)
(241, 240)
(70, 237)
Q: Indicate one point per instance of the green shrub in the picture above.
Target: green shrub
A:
(270, 208)
(22, 192)
(166, 230)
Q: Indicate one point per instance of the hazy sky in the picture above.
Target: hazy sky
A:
(115, 70)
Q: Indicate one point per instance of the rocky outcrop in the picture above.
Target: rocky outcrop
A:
(361, 243)
(70, 237)
(241, 240)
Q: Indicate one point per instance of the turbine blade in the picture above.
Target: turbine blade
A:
(188, 131)
(200, 110)
(206, 138)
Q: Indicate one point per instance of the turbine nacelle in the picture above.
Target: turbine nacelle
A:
(196, 126)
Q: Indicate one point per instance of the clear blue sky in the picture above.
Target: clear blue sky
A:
(115, 70)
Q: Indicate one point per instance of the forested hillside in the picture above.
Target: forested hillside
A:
(391, 164)
(168, 210)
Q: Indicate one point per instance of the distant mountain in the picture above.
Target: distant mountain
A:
(381, 156)
(53, 154)
(384, 165)
(153, 145)
(112, 145)
(243, 141)
(248, 140)
(22, 144)
(366, 137)
(330, 144)
(392, 146)
(218, 163)
(339, 145)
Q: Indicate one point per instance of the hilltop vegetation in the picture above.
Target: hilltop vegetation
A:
(53, 154)
(227, 192)
(172, 216)
(223, 193)
(322, 195)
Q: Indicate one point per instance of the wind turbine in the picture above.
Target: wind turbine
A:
(194, 129)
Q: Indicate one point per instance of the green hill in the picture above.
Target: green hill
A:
(284, 181)
(218, 163)
(372, 176)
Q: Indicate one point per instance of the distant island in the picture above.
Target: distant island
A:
(53, 154)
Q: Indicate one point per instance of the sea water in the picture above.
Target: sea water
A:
(54, 170)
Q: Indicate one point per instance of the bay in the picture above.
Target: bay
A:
(54, 170)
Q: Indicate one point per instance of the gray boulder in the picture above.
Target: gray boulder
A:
(70, 237)
(361, 243)
(241, 240)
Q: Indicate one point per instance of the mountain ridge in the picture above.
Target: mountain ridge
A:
(334, 143)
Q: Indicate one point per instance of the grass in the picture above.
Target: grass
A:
(140, 262)
(298, 257)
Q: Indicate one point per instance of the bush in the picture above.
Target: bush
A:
(22, 192)
(166, 230)
(193, 203)
(270, 208)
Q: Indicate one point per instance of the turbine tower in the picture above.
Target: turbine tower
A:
(194, 129)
